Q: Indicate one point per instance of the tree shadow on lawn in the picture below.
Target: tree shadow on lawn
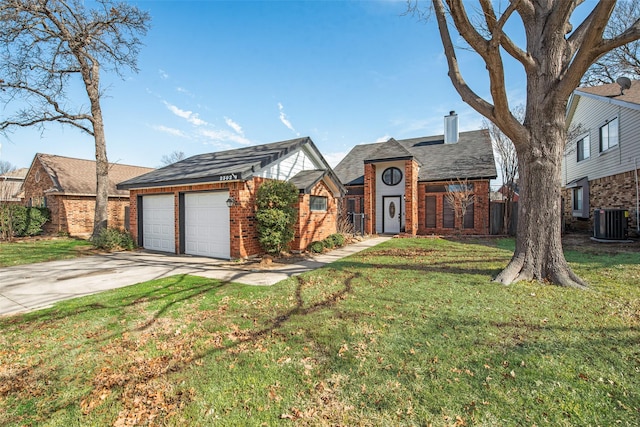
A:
(27, 379)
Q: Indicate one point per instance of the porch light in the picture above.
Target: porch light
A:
(231, 202)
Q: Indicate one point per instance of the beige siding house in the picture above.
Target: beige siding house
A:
(601, 161)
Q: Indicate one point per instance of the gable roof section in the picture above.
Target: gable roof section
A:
(11, 185)
(389, 151)
(471, 157)
(229, 165)
(609, 93)
(78, 176)
(306, 180)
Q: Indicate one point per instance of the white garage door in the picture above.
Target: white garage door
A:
(207, 224)
(158, 229)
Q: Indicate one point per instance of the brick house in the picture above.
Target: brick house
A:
(205, 205)
(67, 186)
(400, 186)
(601, 161)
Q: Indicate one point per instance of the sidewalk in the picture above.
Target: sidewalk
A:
(33, 286)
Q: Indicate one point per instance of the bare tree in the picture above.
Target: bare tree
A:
(624, 60)
(50, 46)
(6, 167)
(460, 195)
(554, 58)
(507, 160)
(172, 158)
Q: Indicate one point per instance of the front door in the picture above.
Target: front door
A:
(392, 214)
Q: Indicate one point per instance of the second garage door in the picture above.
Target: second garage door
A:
(207, 224)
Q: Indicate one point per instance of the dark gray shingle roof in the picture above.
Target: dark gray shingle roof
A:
(470, 157)
(232, 164)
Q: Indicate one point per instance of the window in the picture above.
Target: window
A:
(318, 203)
(430, 212)
(448, 214)
(392, 176)
(577, 198)
(583, 149)
(467, 221)
(609, 135)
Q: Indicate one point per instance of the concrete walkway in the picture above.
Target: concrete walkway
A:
(33, 286)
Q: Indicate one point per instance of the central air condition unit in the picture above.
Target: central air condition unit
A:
(611, 224)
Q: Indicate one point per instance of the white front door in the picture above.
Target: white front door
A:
(158, 224)
(207, 228)
(392, 214)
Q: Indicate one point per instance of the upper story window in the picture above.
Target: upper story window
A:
(392, 176)
(609, 135)
(318, 203)
(583, 148)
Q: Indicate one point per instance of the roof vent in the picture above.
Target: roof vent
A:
(624, 83)
(451, 128)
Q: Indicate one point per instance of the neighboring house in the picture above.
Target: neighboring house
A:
(11, 185)
(205, 205)
(506, 191)
(67, 186)
(401, 185)
(600, 167)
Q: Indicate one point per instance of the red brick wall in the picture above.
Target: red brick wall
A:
(242, 233)
(313, 226)
(480, 210)
(411, 197)
(243, 226)
(370, 198)
(611, 192)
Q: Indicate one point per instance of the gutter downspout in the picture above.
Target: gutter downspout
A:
(635, 162)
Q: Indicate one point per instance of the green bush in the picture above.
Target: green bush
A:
(276, 215)
(20, 221)
(316, 247)
(114, 239)
(338, 239)
(329, 243)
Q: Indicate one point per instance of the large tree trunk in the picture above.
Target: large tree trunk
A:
(102, 164)
(538, 254)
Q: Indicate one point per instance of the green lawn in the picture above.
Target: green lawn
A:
(412, 332)
(30, 251)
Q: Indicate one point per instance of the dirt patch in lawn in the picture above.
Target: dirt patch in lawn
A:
(582, 242)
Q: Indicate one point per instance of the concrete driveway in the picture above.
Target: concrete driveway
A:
(34, 286)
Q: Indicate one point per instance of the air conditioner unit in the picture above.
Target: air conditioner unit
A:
(611, 224)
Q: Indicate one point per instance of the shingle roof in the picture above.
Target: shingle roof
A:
(11, 184)
(613, 90)
(231, 164)
(470, 157)
(78, 176)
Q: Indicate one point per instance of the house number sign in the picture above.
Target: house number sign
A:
(229, 177)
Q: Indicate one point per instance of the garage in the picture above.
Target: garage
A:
(158, 223)
(206, 224)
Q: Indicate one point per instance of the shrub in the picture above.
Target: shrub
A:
(114, 239)
(316, 247)
(20, 221)
(276, 215)
(338, 239)
(329, 243)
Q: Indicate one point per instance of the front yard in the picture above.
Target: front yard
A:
(37, 249)
(411, 332)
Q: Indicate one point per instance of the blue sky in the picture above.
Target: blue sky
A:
(219, 75)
